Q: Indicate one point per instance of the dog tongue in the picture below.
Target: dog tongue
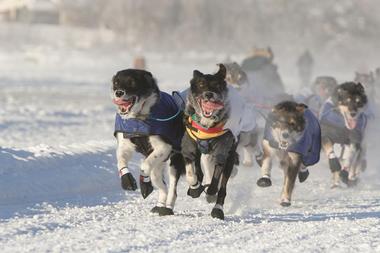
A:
(121, 102)
(210, 106)
(351, 123)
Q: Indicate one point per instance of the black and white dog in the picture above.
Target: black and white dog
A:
(148, 121)
(343, 121)
(293, 135)
(211, 135)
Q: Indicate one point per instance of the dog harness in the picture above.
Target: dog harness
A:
(330, 114)
(164, 120)
(198, 132)
(308, 146)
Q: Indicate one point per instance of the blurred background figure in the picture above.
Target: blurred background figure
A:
(139, 62)
(315, 95)
(265, 83)
(305, 64)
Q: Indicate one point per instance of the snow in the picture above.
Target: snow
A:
(60, 192)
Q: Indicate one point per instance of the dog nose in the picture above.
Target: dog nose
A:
(285, 135)
(209, 95)
(353, 114)
(119, 93)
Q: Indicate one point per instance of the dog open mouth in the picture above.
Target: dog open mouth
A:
(208, 107)
(125, 105)
(351, 122)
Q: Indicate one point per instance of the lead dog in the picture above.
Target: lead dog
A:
(211, 135)
(293, 135)
(343, 121)
(148, 121)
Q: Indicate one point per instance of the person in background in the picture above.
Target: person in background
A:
(305, 64)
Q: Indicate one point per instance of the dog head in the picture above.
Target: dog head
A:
(208, 96)
(350, 98)
(235, 75)
(134, 92)
(324, 86)
(287, 123)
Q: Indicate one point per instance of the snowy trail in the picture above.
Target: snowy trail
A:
(346, 220)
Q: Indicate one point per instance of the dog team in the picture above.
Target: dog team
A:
(198, 131)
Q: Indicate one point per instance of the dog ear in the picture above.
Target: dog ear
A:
(360, 87)
(222, 71)
(197, 74)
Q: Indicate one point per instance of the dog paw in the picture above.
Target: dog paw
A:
(146, 187)
(195, 192)
(285, 202)
(343, 175)
(217, 213)
(303, 175)
(165, 211)
(264, 182)
(211, 198)
(128, 182)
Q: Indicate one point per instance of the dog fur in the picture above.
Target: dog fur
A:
(136, 93)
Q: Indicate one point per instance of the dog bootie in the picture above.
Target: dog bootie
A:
(285, 202)
(343, 174)
(156, 209)
(165, 211)
(195, 191)
(217, 212)
(146, 187)
(128, 182)
(303, 175)
(264, 182)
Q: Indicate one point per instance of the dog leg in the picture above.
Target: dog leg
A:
(334, 164)
(195, 187)
(217, 211)
(266, 166)
(158, 182)
(292, 163)
(208, 167)
(161, 152)
(247, 156)
(124, 152)
(214, 186)
(177, 166)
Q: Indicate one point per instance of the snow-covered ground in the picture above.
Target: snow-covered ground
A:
(59, 190)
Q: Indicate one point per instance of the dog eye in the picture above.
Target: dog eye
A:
(357, 100)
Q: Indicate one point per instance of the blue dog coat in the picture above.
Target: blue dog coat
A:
(330, 115)
(164, 120)
(308, 146)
